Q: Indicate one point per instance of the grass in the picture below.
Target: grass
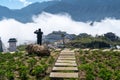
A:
(103, 65)
(92, 65)
(21, 66)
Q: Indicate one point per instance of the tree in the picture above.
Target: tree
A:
(83, 35)
(111, 36)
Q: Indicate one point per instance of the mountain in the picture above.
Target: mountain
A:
(25, 14)
(87, 10)
(80, 10)
(5, 12)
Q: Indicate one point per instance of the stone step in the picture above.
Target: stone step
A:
(65, 69)
(65, 64)
(66, 58)
(66, 53)
(65, 61)
(63, 75)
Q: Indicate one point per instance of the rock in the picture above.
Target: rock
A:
(38, 50)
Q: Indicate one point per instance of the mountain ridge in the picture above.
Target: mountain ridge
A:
(79, 10)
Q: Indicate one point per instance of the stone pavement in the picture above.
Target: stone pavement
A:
(65, 66)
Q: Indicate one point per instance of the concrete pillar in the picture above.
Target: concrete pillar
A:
(12, 44)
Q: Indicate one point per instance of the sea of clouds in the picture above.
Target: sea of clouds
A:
(10, 28)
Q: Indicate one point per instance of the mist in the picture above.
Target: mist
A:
(24, 32)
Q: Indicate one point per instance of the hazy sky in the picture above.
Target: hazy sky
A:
(17, 4)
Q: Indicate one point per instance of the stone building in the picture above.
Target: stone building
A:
(12, 44)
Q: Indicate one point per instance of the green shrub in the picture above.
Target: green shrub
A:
(9, 75)
(32, 62)
(105, 74)
(116, 75)
(90, 76)
(37, 70)
(23, 72)
(2, 73)
(51, 60)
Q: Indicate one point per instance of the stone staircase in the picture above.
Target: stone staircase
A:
(65, 66)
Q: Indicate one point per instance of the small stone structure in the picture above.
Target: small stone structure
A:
(12, 44)
(1, 48)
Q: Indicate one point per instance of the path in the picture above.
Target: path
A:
(65, 66)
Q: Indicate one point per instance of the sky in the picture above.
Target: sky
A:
(18, 4)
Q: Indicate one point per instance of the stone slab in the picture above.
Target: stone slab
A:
(66, 61)
(65, 64)
(66, 58)
(63, 75)
(65, 68)
(67, 53)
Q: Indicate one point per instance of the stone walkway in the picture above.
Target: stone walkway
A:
(65, 66)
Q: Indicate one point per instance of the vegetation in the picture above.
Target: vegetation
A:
(85, 40)
(21, 66)
(22, 47)
(99, 65)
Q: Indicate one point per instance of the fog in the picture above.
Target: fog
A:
(10, 28)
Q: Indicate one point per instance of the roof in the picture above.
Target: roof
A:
(12, 40)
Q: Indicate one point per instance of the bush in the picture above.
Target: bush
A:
(39, 70)
(105, 74)
(117, 75)
(2, 73)
(32, 62)
(23, 73)
(9, 75)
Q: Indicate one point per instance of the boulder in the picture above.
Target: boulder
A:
(38, 50)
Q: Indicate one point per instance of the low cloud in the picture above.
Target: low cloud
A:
(10, 28)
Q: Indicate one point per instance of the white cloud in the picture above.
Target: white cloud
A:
(10, 28)
(25, 2)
